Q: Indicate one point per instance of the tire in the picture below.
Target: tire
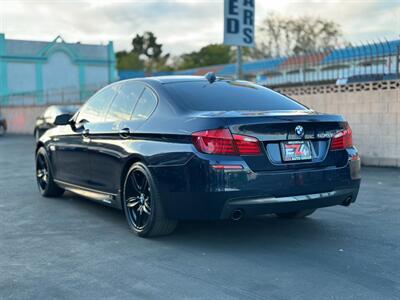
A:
(142, 204)
(44, 176)
(297, 214)
(2, 130)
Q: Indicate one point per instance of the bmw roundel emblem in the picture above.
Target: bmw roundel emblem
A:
(299, 130)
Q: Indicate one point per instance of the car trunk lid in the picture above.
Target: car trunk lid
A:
(273, 129)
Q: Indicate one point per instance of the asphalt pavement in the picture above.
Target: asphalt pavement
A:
(72, 248)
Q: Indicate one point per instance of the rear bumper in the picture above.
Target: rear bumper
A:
(269, 205)
(196, 191)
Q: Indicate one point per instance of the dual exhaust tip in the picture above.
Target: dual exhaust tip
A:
(238, 214)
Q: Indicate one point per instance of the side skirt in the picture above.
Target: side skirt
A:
(98, 196)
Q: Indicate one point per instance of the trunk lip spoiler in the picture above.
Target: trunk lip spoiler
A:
(254, 113)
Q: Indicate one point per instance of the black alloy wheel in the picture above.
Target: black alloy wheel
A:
(142, 204)
(42, 172)
(138, 199)
(44, 176)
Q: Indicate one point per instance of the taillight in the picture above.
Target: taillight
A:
(217, 141)
(247, 145)
(343, 139)
(221, 141)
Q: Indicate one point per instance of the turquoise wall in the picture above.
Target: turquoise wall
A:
(41, 58)
(111, 62)
(39, 82)
(3, 72)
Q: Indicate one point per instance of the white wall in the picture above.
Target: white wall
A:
(372, 110)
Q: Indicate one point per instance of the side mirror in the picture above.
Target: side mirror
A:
(63, 119)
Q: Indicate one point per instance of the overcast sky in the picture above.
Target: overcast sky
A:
(181, 25)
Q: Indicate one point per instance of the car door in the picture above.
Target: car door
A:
(71, 157)
(108, 139)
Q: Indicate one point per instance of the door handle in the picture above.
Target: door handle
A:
(85, 133)
(124, 133)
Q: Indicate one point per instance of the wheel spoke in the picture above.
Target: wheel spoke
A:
(135, 182)
(41, 162)
(134, 214)
(40, 174)
(146, 208)
(132, 202)
(144, 185)
(139, 217)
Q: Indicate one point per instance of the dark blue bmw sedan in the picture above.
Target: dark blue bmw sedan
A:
(165, 149)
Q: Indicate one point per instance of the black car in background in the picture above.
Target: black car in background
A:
(165, 149)
(3, 125)
(46, 120)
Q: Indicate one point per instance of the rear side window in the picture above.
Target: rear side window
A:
(94, 109)
(146, 105)
(227, 96)
(125, 101)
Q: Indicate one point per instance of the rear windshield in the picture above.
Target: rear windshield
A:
(227, 96)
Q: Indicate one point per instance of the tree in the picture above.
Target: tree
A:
(284, 36)
(147, 45)
(147, 48)
(213, 54)
(146, 54)
(129, 61)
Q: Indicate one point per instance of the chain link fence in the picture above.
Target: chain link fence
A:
(367, 62)
(64, 96)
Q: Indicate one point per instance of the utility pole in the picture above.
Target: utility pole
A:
(239, 63)
(398, 62)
